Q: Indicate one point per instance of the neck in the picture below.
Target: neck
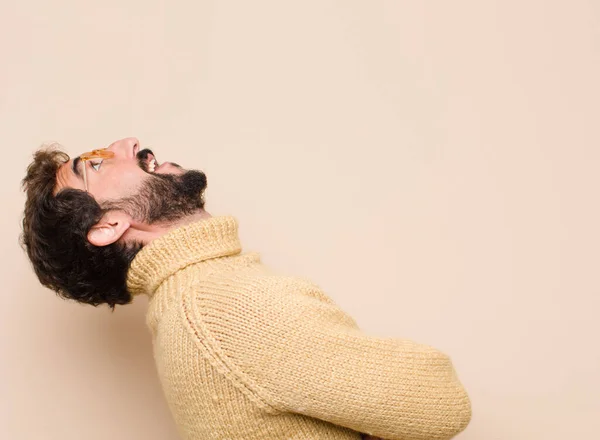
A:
(200, 244)
(145, 233)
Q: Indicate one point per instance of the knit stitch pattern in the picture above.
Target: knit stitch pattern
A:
(243, 352)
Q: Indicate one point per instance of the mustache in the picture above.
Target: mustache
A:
(143, 154)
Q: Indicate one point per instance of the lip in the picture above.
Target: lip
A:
(163, 168)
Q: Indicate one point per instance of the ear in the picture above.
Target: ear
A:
(109, 229)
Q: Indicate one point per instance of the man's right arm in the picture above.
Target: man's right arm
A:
(302, 353)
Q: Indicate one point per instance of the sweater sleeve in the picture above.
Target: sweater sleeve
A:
(309, 357)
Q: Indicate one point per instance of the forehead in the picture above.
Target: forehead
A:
(66, 178)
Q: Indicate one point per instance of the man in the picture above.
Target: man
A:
(242, 352)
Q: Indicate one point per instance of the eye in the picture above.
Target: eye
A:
(96, 164)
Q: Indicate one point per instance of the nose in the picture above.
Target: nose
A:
(125, 148)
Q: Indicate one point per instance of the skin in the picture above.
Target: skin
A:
(117, 178)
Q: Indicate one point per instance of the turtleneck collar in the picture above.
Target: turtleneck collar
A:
(199, 241)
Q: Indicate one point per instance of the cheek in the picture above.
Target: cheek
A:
(122, 182)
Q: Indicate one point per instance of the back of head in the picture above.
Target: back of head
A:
(55, 228)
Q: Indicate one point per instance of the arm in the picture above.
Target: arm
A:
(303, 354)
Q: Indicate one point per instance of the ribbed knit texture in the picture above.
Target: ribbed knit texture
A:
(244, 353)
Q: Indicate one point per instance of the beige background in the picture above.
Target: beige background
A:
(433, 165)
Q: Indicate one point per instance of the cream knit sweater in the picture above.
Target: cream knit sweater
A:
(244, 353)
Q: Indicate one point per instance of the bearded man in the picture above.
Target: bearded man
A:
(242, 352)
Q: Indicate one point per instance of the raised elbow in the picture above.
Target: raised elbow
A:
(450, 405)
(457, 414)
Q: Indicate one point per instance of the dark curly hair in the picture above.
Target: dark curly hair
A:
(55, 229)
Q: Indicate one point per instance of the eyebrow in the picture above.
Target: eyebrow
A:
(75, 166)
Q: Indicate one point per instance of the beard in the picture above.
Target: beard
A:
(163, 198)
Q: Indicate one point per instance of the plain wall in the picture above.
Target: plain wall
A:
(432, 165)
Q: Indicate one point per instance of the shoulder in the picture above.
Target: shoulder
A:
(219, 295)
(218, 308)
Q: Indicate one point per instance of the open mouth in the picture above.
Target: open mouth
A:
(151, 164)
(147, 161)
